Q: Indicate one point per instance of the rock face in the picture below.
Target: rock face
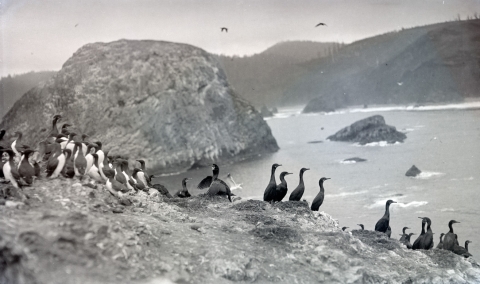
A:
(413, 172)
(167, 103)
(318, 104)
(370, 129)
(70, 234)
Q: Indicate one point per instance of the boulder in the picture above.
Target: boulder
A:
(370, 129)
(167, 103)
(413, 172)
(318, 105)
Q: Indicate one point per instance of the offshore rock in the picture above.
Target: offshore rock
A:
(167, 103)
(413, 172)
(370, 129)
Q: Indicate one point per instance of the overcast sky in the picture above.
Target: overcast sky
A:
(42, 35)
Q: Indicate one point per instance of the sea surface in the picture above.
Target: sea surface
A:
(442, 141)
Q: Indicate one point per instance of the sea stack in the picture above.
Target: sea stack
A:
(413, 172)
(160, 111)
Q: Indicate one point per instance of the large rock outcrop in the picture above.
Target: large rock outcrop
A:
(167, 103)
(370, 129)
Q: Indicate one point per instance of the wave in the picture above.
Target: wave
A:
(460, 106)
(376, 144)
(381, 203)
(427, 175)
(447, 210)
(343, 194)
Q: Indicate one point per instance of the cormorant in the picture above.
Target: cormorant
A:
(407, 240)
(361, 225)
(449, 240)
(418, 241)
(463, 251)
(184, 192)
(281, 188)
(218, 186)
(402, 239)
(321, 24)
(384, 222)
(440, 244)
(224, 29)
(269, 193)
(297, 194)
(206, 182)
(428, 238)
(318, 201)
(344, 228)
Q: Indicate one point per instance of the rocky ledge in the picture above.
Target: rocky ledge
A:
(166, 102)
(368, 130)
(63, 231)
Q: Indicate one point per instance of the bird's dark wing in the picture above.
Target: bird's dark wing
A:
(297, 194)
(162, 189)
(382, 225)
(205, 183)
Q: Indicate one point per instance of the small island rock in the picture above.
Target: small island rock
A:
(413, 172)
(370, 129)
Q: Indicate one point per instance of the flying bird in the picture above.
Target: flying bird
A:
(224, 29)
(321, 24)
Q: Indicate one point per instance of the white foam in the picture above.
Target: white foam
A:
(376, 144)
(342, 194)
(347, 162)
(412, 204)
(381, 203)
(447, 210)
(461, 106)
(427, 175)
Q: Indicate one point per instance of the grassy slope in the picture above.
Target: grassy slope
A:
(68, 234)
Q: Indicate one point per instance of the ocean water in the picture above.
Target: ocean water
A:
(443, 142)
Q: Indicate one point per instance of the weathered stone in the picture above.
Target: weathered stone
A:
(370, 129)
(413, 172)
(168, 103)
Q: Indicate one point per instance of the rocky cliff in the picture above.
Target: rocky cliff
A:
(69, 233)
(167, 103)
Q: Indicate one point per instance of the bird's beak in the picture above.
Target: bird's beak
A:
(413, 234)
(279, 165)
(407, 228)
(457, 222)
(327, 178)
(307, 169)
(289, 173)
(420, 218)
(394, 201)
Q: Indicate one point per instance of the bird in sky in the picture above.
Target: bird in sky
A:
(224, 29)
(321, 24)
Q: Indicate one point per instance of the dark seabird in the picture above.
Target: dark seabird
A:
(384, 222)
(114, 186)
(9, 169)
(418, 242)
(218, 186)
(449, 240)
(321, 24)
(440, 244)
(344, 228)
(54, 131)
(281, 188)
(206, 182)
(389, 232)
(144, 170)
(94, 171)
(79, 161)
(184, 192)
(138, 183)
(269, 193)
(402, 239)
(64, 129)
(25, 169)
(463, 251)
(428, 238)
(297, 193)
(318, 201)
(223, 29)
(68, 170)
(361, 226)
(163, 190)
(407, 240)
